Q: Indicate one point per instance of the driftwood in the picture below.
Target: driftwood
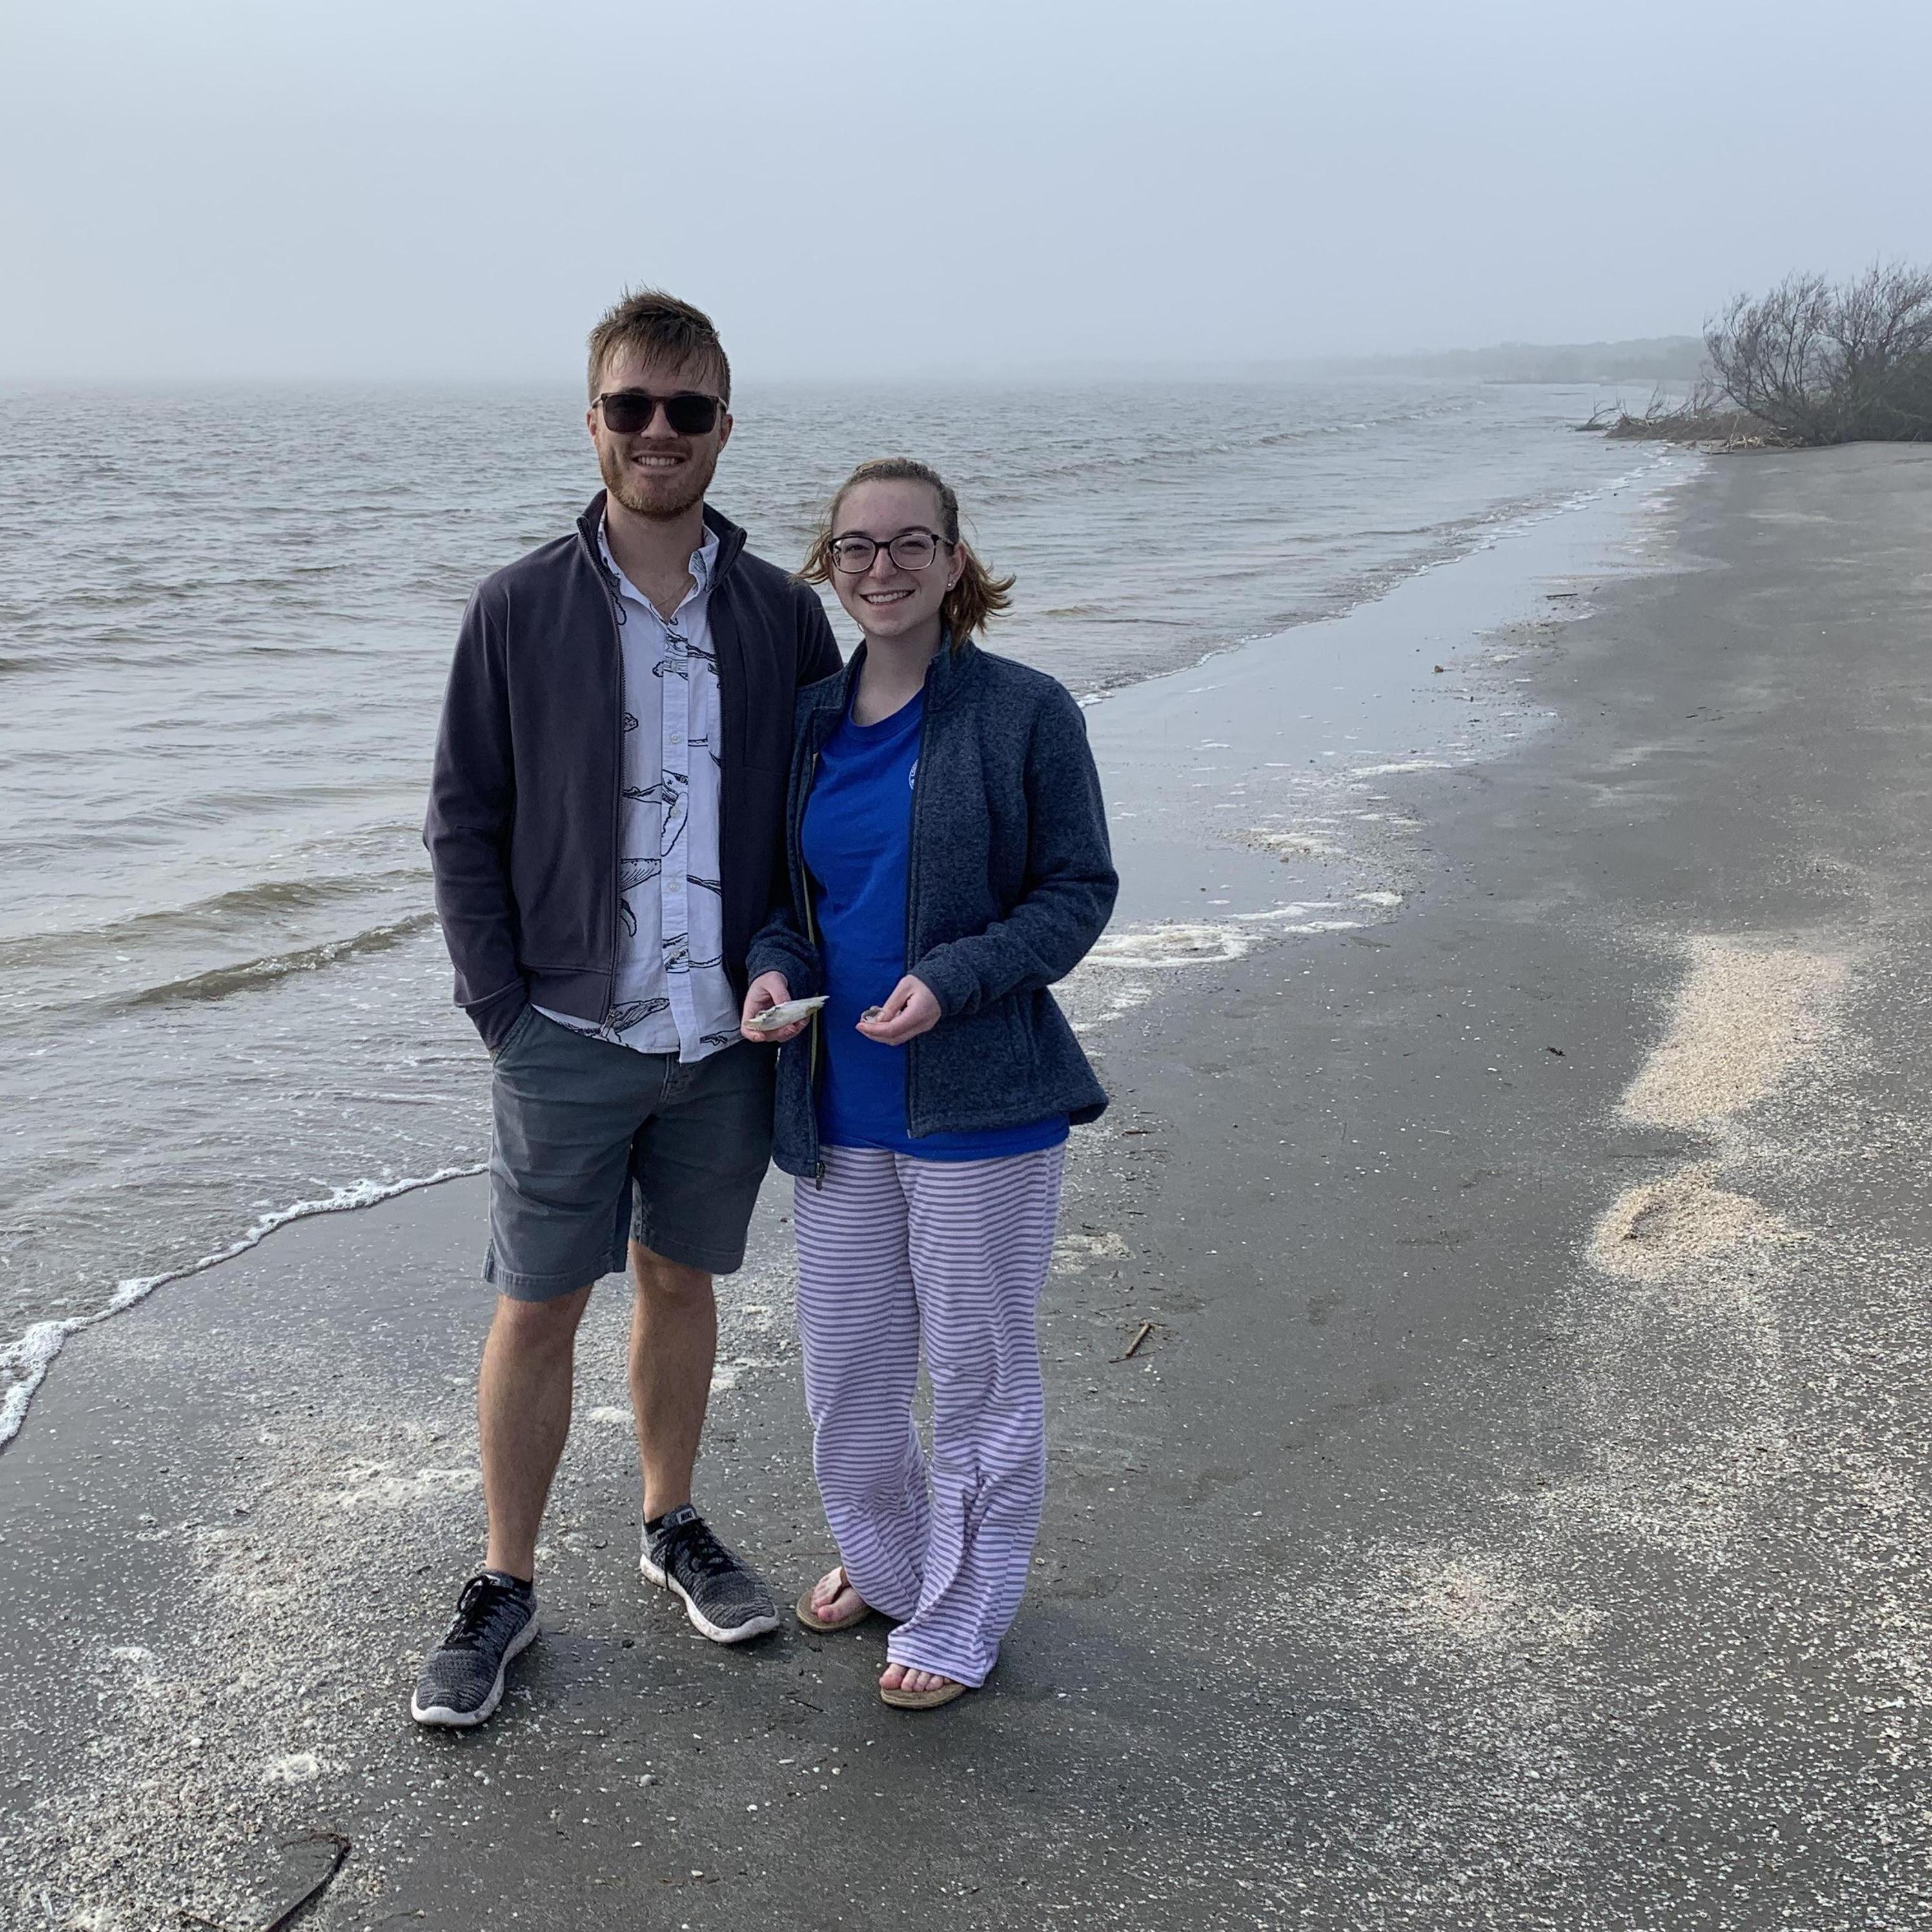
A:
(1704, 418)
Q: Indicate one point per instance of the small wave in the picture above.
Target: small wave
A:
(25, 1361)
(240, 907)
(219, 982)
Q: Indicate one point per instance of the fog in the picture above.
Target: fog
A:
(238, 189)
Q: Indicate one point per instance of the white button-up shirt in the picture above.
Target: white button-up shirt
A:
(672, 994)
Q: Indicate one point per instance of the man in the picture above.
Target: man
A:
(605, 826)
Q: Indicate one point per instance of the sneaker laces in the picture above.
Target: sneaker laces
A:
(483, 1602)
(697, 1546)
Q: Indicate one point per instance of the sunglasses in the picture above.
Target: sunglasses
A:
(627, 412)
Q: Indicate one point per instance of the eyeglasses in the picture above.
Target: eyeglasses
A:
(627, 412)
(911, 550)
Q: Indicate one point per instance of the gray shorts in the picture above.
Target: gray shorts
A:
(595, 1144)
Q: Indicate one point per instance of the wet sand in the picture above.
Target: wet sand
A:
(1516, 1515)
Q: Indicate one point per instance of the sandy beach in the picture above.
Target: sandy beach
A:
(1486, 1358)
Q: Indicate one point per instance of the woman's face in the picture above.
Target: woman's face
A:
(887, 602)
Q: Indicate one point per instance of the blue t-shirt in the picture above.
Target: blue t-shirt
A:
(858, 838)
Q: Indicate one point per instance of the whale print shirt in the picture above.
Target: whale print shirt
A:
(672, 994)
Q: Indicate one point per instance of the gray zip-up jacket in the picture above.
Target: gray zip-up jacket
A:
(524, 796)
(1010, 881)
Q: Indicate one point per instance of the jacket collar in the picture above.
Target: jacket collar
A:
(731, 538)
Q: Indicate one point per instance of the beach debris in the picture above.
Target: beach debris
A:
(1133, 1347)
(1557, 1050)
(339, 1850)
(1298, 844)
(1074, 1254)
(332, 1849)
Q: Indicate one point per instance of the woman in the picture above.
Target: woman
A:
(948, 861)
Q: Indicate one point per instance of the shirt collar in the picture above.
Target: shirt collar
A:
(704, 562)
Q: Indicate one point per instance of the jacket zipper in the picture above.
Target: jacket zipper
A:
(912, 882)
(712, 605)
(811, 940)
(617, 796)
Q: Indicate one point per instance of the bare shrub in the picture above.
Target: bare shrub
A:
(1824, 365)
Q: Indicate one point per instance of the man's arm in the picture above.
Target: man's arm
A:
(472, 801)
(818, 648)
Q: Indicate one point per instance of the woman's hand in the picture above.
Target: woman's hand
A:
(767, 991)
(911, 1010)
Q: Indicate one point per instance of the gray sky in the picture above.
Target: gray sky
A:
(339, 188)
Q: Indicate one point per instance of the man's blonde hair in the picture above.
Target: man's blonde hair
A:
(659, 326)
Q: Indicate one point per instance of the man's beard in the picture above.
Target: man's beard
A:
(679, 491)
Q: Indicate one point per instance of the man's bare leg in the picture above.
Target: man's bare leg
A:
(673, 1346)
(523, 1407)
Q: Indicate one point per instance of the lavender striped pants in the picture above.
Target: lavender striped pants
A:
(896, 1256)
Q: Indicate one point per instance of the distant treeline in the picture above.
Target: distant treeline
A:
(1656, 359)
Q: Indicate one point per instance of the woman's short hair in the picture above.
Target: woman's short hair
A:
(977, 596)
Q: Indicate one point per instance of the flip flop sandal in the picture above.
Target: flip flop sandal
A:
(923, 1700)
(812, 1621)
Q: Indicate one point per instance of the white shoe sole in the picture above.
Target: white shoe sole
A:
(717, 1632)
(442, 1716)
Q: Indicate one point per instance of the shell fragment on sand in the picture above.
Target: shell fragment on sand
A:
(784, 1014)
(1651, 1232)
(1746, 1016)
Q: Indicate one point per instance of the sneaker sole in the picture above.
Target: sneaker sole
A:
(717, 1632)
(442, 1717)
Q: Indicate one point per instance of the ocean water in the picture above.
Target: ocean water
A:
(225, 620)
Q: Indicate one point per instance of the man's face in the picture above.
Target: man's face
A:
(656, 473)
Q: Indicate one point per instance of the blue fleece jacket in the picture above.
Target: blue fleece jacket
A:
(1011, 881)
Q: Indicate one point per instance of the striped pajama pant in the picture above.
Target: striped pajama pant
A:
(897, 1258)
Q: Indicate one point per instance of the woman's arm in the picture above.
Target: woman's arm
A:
(1072, 883)
(779, 946)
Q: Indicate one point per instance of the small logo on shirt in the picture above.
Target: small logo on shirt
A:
(912, 776)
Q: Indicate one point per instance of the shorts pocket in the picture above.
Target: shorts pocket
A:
(519, 1026)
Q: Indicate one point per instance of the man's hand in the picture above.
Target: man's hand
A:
(911, 1010)
(767, 991)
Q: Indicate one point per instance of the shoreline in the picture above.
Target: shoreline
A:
(27, 1357)
(1514, 1515)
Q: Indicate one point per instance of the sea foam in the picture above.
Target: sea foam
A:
(24, 1362)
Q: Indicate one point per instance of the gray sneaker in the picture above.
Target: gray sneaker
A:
(462, 1680)
(724, 1597)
